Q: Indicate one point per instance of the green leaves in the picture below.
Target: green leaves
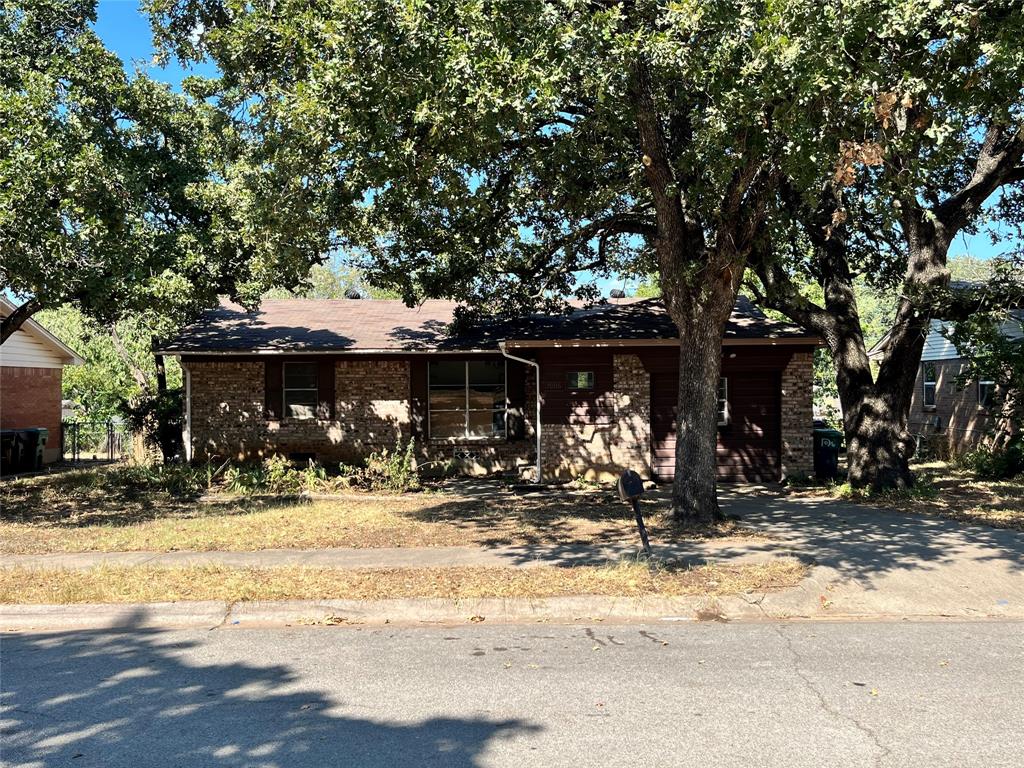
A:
(119, 196)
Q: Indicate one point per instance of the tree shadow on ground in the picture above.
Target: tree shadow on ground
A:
(559, 519)
(860, 541)
(83, 499)
(857, 540)
(126, 697)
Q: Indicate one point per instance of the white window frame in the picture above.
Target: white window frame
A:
(723, 401)
(466, 410)
(986, 383)
(285, 389)
(925, 384)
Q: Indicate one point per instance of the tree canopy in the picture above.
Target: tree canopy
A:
(113, 199)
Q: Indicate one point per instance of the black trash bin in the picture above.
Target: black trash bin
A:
(828, 443)
(11, 447)
(33, 441)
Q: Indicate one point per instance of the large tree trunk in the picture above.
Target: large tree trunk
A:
(17, 318)
(878, 446)
(694, 492)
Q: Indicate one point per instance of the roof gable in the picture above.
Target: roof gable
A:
(38, 338)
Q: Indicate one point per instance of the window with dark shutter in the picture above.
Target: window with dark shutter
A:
(301, 390)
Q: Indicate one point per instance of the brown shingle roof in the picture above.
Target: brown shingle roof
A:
(363, 325)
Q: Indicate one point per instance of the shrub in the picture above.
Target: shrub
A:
(275, 475)
(995, 464)
(173, 479)
(393, 471)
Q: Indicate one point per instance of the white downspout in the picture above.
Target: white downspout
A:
(536, 368)
(188, 413)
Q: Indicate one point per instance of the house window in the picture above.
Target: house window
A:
(986, 391)
(723, 401)
(300, 390)
(467, 399)
(581, 379)
(929, 378)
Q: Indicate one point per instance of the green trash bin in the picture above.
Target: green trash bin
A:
(828, 443)
(44, 437)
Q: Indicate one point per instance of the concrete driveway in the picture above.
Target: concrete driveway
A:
(870, 561)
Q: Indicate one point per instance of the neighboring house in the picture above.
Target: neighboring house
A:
(31, 366)
(338, 379)
(944, 406)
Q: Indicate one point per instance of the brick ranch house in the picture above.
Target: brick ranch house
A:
(953, 414)
(32, 364)
(335, 380)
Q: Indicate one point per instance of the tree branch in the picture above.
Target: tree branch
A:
(17, 318)
(668, 202)
(997, 163)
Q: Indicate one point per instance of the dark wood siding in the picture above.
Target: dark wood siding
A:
(564, 405)
(750, 446)
(515, 417)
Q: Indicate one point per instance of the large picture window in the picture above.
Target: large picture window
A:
(467, 399)
(300, 390)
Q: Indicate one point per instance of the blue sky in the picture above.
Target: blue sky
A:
(125, 30)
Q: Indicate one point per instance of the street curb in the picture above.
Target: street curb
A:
(213, 615)
(778, 606)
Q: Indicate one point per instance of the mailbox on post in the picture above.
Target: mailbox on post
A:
(631, 488)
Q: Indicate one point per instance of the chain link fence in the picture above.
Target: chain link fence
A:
(95, 440)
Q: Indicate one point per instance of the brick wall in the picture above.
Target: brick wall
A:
(228, 419)
(956, 421)
(602, 451)
(372, 411)
(30, 397)
(798, 416)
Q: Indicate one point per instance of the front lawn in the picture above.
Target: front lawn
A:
(84, 511)
(946, 491)
(139, 584)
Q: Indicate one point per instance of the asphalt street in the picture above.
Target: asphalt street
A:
(592, 694)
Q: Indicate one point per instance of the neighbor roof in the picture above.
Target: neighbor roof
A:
(66, 354)
(385, 326)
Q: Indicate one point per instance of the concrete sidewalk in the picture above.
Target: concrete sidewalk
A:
(866, 563)
(729, 550)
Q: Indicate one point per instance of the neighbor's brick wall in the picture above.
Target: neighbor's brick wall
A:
(957, 421)
(603, 451)
(30, 397)
(798, 416)
(228, 419)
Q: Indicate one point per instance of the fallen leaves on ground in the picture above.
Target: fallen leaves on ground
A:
(144, 584)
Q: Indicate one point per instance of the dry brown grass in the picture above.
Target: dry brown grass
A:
(73, 514)
(116, 584)
(946, 491)
(958, 495)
